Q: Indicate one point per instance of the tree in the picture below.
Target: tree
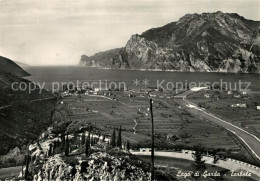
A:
(215, 157)
(87, 145)
(199, 164)
(127, 145)
(86, 148)
(54, 147)
(119, 139)
(92, 141)
(64, 87)
(67, 146)
(75, 137)
(113, 139)
(83, 139)
(26, 174)
(62, 141)
(50, 150)
(89, 137)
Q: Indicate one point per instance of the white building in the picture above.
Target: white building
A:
(230, 92)
(206, 95)
(145, 149)
(241, 105)
(243, 92)
(96, 89)
(237, 96)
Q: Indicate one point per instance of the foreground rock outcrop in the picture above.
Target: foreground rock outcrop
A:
(221, 42)
(47, 160)
(98, 166)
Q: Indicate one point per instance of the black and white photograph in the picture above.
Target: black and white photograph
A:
(130, 90)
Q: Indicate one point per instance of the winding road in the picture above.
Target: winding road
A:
(250, 140)
(35, 100)
(229, 164)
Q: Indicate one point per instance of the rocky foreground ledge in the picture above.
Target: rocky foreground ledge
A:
(103, 162)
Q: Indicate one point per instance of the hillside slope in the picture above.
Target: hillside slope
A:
(23, 114)
(22, 65)
(221, 42)
(8, 66)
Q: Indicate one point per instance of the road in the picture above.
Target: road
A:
(229, 164)
(35, 100)
(250, 140)
(10, 172)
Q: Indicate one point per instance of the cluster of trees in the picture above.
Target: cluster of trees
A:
(89, 141)
(199, 164)
(85, 142)
(117, 141)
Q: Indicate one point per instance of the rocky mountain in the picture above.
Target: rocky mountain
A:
(8, 66)
(221, 42)
(102, 59)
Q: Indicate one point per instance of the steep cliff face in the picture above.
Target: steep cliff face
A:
(101, 59)
(218, 41)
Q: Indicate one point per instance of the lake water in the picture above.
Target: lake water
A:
(170, 79)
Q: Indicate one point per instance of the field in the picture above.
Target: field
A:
(220, 103)
(173, 126)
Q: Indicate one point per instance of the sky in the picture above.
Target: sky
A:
(58, 32)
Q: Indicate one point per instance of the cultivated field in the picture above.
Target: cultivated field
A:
(219, 103)
(173, 125)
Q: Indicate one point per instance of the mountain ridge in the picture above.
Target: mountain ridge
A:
(9, 66)
(23, 113)
(207, 42)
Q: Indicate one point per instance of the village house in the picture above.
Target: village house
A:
(230, 92)
(152, 95)
(237, 96)
(145, 149)
(240, 105)
(96, 89)
(243, 93)
(207, 96)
